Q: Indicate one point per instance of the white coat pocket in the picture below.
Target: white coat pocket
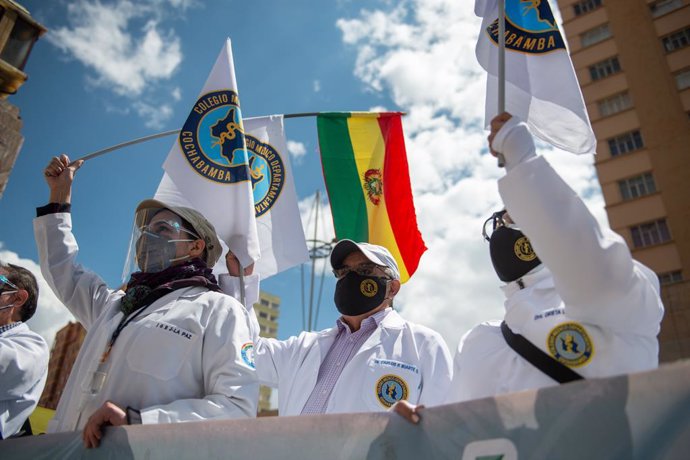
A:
(159, 349)
(389, 381)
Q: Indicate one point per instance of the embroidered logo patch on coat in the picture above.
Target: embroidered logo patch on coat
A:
(570, 344)
(247, 353)
(391, 389)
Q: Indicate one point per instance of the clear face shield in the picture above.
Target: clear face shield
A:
(155, 243)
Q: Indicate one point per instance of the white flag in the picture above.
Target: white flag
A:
(541, 86)
(207, 167)
(278, 221)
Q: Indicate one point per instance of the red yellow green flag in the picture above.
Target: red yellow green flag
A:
(368, 183)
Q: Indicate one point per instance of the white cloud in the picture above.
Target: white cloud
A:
(176, 93)
(296, 149)
(51, 315)
(155, 116)
(316, 86)
(421, 54)
(124, 45)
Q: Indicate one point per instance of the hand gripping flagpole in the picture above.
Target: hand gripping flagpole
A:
(501, 68)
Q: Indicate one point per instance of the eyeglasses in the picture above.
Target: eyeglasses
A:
(365, 269)
(5, 281)
(166, 227)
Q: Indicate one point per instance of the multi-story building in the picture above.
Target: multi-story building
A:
(632, 58)
(267, 311)
(67, 343)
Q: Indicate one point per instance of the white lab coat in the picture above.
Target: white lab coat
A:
(591, 282)
(23, 370)
(413, 353)
(180, 360)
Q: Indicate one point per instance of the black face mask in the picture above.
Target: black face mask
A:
(511, 251)
(358, 294)
(155, 252)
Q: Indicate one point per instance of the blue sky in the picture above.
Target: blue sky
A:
(111, 71)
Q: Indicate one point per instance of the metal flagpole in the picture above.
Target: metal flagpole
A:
(317, 202)
(243, 295)
(151, 137)
(501, 67)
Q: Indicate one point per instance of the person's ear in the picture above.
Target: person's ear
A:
(21, 297)
(197, 248)
(393, 288)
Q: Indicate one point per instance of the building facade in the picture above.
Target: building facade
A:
(632, 58)
(66, 347)
(267, 311)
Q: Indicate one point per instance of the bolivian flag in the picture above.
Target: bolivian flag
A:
(368, 183)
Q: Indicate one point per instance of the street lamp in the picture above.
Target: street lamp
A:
(18, 33)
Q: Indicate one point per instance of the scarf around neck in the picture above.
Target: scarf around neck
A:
(145, 288)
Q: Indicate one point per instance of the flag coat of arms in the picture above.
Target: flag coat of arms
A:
(208, 166)
(368, 182)
(541, 87)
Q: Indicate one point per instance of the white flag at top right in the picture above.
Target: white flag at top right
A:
(541, 86)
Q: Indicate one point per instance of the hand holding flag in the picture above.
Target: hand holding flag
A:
(540, 84)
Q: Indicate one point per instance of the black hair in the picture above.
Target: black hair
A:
(24, 279)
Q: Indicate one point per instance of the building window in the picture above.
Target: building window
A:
(595, 35)
(670, 277)
(662, 7)
(676, 40)
(263, 314)
(650, 234)
(614, 104)
(683, 79)
(604, 68)
(585, 6)
(265, 302)
(625, 143)
(638, 186)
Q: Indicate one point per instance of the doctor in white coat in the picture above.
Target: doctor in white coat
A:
(572, 288)
(23, 353)
(370, 360)
(171, 347)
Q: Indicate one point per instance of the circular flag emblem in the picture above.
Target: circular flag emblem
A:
(212, 138)
(523, 249)
(267, 173)
(368, 287)
(247, 353)
(530, 28)
(390, 389)
(570, 344)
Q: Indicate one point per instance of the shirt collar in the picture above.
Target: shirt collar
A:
(370, 322)
(7, 327)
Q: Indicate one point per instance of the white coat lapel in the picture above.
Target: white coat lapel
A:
(309, 369)
(390, 326)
